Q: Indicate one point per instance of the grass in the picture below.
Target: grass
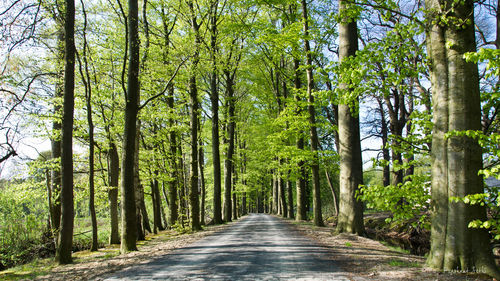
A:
(30, 270)
(400, 263)
(348, 244)
(395, 248)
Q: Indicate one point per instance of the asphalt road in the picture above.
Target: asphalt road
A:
(259, 247)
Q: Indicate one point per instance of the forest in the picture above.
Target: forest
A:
(123, 118)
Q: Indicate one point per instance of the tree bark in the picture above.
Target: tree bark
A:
(195, 107)
(334, 194)
(386, 174)
(456, 159)
(155, 194)
(228, 162)
(201, 161)
(214, 99)
(173, 183)
(282, 196)
(301, 178)
(318, 217)
(65, 238)
(350, 217)
(55, 141)
(113, 173)
(129, 219)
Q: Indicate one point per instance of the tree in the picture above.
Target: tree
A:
(350, 217)
(88, 101)
(194, 115)
(214, 100)
(129, 220)
(456, 158)
(65, 238)
(318, 217)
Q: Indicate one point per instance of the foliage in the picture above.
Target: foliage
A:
(22, 221)
(406, 201)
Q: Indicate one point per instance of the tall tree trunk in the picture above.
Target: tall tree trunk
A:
(155, 194)
(88, 99)
(301, 178)
(334, 193)
(174, 182)
(95, 241)
(195, 107)
(129, 219)
(289, 188)
(214, 99)
(350, 217)
(274, 203)
(410, 170)
(228, 162)
(234, 208)
(457, 159)
(282, 191)
(386, 176)
(113, 173)
(318, 217)
(201, 161)
(65, 238)
(142, 222)
(55, 207)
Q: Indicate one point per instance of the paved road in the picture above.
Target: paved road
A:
(259, 247)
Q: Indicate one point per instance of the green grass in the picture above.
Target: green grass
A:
(400, 263)
(31, 270)
(395, 248)
(348, 244)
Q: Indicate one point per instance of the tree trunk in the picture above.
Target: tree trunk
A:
(301, 178)
(289, 189)
(201, 161)
(142, 216)
(195, 107)
(65, 238)
(228, 162)
(456, 159)
(214, 99)
(55, 207)
(350, 217)
(386, 176)
(155, 194)
(235, 196)
(95, 241)
(318, 217)
(274, 203)
(282, 191)
(129, 219)
(334, 194)
(113, 173)
(173, 183)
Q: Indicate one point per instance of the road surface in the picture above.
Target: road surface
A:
(258, 247)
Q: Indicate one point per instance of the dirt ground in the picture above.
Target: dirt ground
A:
(89, 266)
(370, 259)
(360, 258)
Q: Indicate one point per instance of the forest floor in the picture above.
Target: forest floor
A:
(359, 258)
(372, 260)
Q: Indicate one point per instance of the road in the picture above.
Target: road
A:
(258, 247)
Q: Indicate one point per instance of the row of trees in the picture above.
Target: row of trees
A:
(281, 89)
